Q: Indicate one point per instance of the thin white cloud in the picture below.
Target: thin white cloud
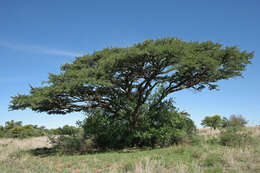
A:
(37, 49)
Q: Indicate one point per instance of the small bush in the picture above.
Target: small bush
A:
(66, 130)
(235, 138)
(13, 129)
(235, 121)
(66, 144)
(24, 132)
(234, 133)
(2, 132)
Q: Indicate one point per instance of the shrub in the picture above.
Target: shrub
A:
(16, 132)
(24, 132)
(14, 129)
(233, 132)
(230, 136)
(66, 130)
(160, 125)
(12, 124)
(235, 121)
(2, 132)
(70, 144)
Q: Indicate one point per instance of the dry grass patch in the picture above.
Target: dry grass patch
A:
(10, 145)
(208, 132)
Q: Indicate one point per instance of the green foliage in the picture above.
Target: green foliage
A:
(12, 124)
(121, 79)
(235, 121)
(65, 130)
(69, 144)
(117, 83)
(160, 126)
(2, 132)
(212, 121)
(106, 132)
(234, 133)
(14, 129)
(115, 76)
(72, 141)
(20, 131)
(234, 138)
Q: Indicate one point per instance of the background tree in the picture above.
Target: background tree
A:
(212, 121)
(119, 81)
(67, 130)
(234, 121)
(12, 124)
(15, 129)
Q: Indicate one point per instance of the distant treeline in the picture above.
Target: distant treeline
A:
(16, 129)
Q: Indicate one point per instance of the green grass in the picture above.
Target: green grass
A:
(205, 157)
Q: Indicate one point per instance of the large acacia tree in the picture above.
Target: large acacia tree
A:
(121, 80)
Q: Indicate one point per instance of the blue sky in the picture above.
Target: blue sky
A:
(37, 37)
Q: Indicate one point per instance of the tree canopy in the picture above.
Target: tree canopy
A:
(212, 121)
(121, 80)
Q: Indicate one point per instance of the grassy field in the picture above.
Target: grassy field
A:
(206, 157)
